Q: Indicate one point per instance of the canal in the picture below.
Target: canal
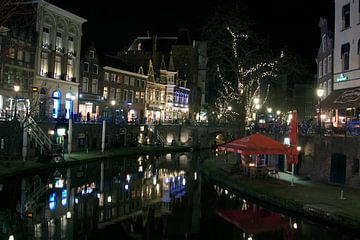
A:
(144, 197)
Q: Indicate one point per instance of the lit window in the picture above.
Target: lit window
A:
(85, 84)
(94, 86)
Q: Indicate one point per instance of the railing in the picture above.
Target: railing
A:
(33, 193)
(36, 133)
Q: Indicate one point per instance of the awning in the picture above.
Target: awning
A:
(341, 99)
(255, 144)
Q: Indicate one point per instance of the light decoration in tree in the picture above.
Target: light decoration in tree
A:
(248, 79)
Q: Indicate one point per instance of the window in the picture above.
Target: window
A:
(137, 97)
(106, 76)
(106, 92)
(59, 42)
(329, 86)
(91, 54)
(71, 45)
(142, 84)
(70, 69)
(112, 93)
(118, 95)
(131, 97)
(68, 105)
(86, 67)
(56, 104)
(27, 57)
(85, 84)
(126, 80)
(46, 37)
(320, 68)
(57, 70)
(345, 51)
(132, 81)
(113, 77)
(142, 96)
(346, 16)
(20, 55)
(94, 86)
(119, 79)
(324, 43)
(95, 69)
(137, 83)
(44, 62)
(325, 66)
(330, 63)
(11, 53)
(125, 95)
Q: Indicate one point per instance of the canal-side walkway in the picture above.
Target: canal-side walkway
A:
(314, 199)
(15, 167)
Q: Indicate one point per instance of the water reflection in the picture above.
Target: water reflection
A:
(144, 197)
(74, 203)
(248, 220)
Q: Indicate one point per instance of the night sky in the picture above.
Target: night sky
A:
(112, 25)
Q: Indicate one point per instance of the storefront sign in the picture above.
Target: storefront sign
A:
(341, 78)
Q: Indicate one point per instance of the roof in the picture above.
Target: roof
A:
(255, 144)
(341, 99)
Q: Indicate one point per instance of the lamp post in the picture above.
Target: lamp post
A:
(319, 93)
(16, 89)
(257, 107)
(113, 102)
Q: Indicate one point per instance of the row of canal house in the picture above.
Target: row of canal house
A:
(157, 79)
(131, 93)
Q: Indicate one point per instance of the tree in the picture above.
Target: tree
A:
(16, 12)
(240, 64)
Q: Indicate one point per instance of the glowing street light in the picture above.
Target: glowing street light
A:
(320, 93)
(256, 100)
(112, 102)
(278, 112)
(16, 89)
(229, 108)
(269, 110)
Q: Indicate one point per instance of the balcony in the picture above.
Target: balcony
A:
(46, 46)
(71, 53)
(60, 50)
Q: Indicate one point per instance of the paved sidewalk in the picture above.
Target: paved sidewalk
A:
(314, 199)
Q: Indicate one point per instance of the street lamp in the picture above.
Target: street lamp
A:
(16, 89)
(319, 93)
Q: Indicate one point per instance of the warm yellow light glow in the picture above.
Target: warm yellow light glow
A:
(113, 102)
(298, 148)
(320, 92)
(16, 88)
(256, 100)
(269, 110)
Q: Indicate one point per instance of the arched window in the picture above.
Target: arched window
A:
(57, 104)
(68, 105)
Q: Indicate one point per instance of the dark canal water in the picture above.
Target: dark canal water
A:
(145, 197)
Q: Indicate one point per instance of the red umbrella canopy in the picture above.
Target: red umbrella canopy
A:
(254, 221)
(255, 144)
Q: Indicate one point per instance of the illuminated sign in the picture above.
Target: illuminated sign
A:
(341, 78)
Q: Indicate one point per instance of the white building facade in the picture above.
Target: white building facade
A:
(347, 43)
(57, 61)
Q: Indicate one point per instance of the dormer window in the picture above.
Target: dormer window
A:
(91, 54)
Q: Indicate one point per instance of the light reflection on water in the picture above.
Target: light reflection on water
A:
(140, 197)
